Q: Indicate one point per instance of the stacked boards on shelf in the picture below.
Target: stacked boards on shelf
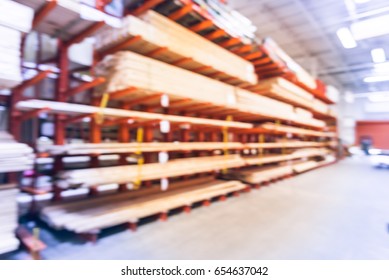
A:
(303, 153)
(178, 167)
(15, 19)
(96, 214)
(130, 75)
(117, 148)
(8, 218)
(165, 40)
(112, 113)
(281, 89)
(14, 156)
(256, 175)
(151, 171)
(66, 19)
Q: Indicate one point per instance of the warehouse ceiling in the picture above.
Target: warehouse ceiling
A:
(307, 31)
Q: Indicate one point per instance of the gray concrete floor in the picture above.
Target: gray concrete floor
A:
(336, 212)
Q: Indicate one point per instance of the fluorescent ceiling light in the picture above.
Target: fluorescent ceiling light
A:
(378, 55)
(372, 27)
(379, 97)
(361, 1)
(381, 67)
(346, 38)
(375, 79)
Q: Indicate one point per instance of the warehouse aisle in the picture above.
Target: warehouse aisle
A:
(336, 212)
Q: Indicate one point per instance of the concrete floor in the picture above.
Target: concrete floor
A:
(336, 212)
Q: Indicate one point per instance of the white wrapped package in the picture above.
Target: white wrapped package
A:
(16, 16)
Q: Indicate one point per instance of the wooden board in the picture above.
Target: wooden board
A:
(304, 153)
(113, 148)
(151, 171)
(158, 32)
(89, 216)
(117, 148)
(281, 89)
(14, 156)
(296, 130)
(257, 175)
(77, 109)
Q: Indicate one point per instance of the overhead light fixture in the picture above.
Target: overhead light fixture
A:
(376, 79)
(372, 27)
(381, 67)
(346, 38)
(361, 1)
(379, 96)
(378, 55)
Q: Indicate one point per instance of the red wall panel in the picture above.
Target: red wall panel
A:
(378, 131)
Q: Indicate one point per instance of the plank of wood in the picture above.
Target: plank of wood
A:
(90, 216)
(304, 153)
(288, 144)
(77, 109)
(125, 174)
(14, 156)
(304, 166)
(261, 174)
(111, 148)
(296, 130)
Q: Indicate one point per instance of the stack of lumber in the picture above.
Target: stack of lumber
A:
(8, 219)
(116, 148)
(14, 19)
(296, 130)
(152, 171)
(14, 156)
(282, 89)
(67, 18)
(276, 53)
(233, 22)
(301, 167)
(96, 214)
(287, 144)
(125, 70)
(158, 31)
(78, 109)
(261, 174)
(304, 153)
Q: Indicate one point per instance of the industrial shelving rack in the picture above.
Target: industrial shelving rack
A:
(196, 19)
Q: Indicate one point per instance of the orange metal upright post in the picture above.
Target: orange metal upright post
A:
(62, 87)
